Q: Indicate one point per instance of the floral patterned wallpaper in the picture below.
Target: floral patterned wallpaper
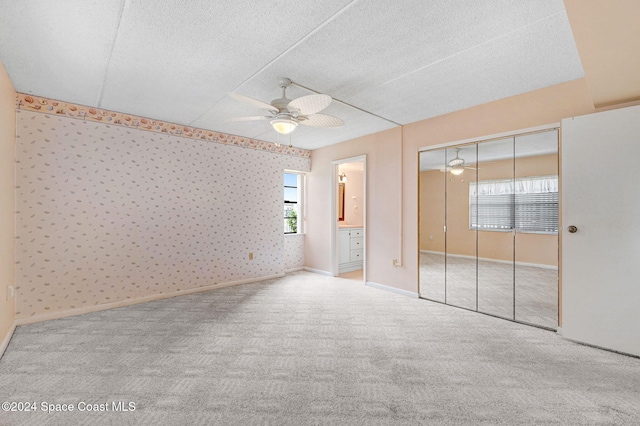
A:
(293, 251)
(108, 213)
(50, 106)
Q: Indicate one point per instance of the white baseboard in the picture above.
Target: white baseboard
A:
(487, 259)
(390, 289)
(288, 271)
(317, 271)
(7, 339)
(128, 302)
(604, 348)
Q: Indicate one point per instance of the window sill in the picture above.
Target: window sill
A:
(518, 232)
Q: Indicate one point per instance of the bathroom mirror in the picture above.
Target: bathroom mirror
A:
(341, 202)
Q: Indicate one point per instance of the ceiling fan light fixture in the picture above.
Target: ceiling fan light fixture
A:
(457, 170)
(284, 125)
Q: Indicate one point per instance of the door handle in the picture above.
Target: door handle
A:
(572, 229)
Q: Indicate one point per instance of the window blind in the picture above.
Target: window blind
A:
(536, 212)
(528, 204)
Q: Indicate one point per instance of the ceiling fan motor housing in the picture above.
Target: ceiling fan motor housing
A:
(281, 104)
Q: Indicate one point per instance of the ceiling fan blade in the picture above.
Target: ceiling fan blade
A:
(254, 102)
(310, 104)
(321, 120)
(252, 118)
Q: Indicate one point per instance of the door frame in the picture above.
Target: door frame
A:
(488, 138)
(334, 212)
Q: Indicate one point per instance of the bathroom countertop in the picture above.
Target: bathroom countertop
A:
(350, 226)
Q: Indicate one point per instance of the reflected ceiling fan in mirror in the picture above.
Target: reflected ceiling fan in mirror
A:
(456, 166)
(285, 114)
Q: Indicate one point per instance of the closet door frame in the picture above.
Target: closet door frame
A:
(477, 140)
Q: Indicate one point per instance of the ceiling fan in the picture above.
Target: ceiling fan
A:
(285, 114)
(456, 166)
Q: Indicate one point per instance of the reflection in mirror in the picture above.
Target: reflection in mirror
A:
(460, 241)
(536, 244)
(488, 227)
(491, 206)
(431, 225)
(341, 202)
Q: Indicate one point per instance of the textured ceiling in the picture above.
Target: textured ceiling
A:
(177, 60)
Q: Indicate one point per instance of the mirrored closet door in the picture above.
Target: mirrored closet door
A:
(432, 223)
(488, 227)
(461, 240)
(491, 210)
(536, 240)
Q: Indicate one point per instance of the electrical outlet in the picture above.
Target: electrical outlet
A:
(430, 237)
(395, 262)
(11, 292)
(251, 256)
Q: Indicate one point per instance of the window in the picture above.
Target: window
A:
(292, 203)
(528, 204)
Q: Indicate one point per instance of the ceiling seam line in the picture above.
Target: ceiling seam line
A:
(465, 50)
(289, 49)
(113, 46)
(348, 104)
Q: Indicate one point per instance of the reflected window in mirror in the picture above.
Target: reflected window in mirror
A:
(527, 204)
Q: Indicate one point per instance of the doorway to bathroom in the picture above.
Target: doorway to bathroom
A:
(348, 184)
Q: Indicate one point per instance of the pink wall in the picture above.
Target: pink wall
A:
(607, 36)
(544, 106)
(7, 201)
(383, 199)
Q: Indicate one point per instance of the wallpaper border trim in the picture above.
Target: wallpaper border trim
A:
(128, 302)
(81, 112)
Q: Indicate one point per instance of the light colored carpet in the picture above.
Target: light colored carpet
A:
(309, 349)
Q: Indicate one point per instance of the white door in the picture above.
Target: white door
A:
(601, 259)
